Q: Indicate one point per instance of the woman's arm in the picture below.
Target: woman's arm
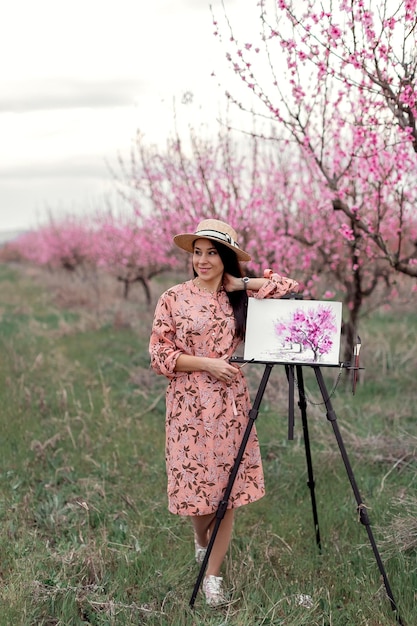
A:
(219, 368)
(233, 283)
(273, 286)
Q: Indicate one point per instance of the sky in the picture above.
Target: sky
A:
(79, 79)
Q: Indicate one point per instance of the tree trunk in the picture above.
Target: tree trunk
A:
(126, 288)
(145, 284)
(350, 328)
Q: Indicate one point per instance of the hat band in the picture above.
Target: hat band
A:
(218, 235)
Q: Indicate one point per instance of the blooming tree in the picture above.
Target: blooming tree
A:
(66, 244)
(126, 245)
(339, 83)
(329, 252)
(132, 248)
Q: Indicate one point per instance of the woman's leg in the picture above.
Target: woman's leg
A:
(203, 527)
(201, 524)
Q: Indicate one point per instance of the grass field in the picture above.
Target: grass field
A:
(85, 535)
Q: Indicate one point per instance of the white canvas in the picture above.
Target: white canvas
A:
(293, 331)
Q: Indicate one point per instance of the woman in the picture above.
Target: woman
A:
(197, 327)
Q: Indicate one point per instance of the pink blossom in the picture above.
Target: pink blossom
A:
(410, 9)
(347, 232)
(390, 23)
(334, 32)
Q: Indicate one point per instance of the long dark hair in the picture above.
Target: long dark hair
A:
(237, 299)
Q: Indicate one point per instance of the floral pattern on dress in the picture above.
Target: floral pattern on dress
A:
(206, 418)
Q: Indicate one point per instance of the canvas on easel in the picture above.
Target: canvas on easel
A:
(293, 331)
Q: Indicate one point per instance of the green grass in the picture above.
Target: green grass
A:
(85, 536)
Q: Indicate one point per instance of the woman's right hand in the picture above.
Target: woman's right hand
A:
(221, 369)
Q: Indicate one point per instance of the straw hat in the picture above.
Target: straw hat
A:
(216, 231)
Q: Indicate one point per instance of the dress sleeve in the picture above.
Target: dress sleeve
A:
(162, 347)
(276, 286)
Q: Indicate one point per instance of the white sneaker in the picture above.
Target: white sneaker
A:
(212, 587)
(200, 552)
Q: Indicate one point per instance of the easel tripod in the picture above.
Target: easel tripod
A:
(331, 416)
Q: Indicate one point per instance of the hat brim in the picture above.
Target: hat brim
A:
(185, 241)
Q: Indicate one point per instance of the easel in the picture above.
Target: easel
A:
(331, 416)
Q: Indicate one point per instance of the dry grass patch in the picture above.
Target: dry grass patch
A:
(401, 533)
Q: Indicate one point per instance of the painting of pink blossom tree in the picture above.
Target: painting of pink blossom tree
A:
(294, 331)
(312, 329)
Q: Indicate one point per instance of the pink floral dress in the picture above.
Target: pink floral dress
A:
(206, 418)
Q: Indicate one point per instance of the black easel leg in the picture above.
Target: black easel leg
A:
(290, 376)
(311, 484)
(221, 510)
(362, 511)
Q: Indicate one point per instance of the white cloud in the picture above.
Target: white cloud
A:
(59, 93)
